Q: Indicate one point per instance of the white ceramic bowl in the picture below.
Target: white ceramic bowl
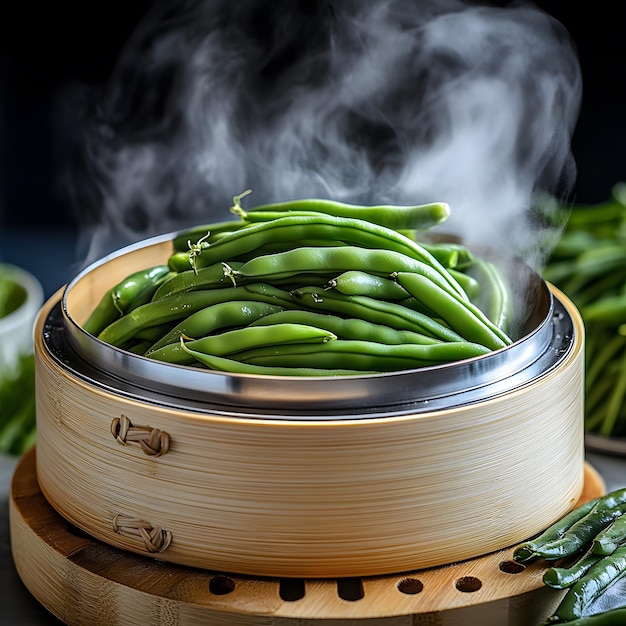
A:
(16, 329)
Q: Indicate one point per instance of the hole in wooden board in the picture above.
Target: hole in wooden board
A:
(350, 589)
(468, 584)
(221, 585)
(511, 567)
(410, 586)
(291, 589)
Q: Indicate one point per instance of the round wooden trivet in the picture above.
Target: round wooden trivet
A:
(85, 582)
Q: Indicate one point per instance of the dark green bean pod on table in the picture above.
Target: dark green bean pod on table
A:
(527, 551)
(584, 592)
(613, 617)
(590, 547)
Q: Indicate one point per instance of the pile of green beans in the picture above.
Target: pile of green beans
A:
(311, 288)
(589, 265)
(588, 546)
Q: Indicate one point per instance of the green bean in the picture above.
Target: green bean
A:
(246, 338)
(563, 577)
(468, 283)
(272, 294)
(138, 288)
(616, 402)
(527, 550)
(574, 243)
(461, 254)
(11, 429)
(356, 232)
(597, 289)
(375, 311)
(462, 317)
(416, 217)
(581, 533)
(612, 617)
(378, 261)
(609, 310)
(172, 308)
(595, 263)
(134, 290)
(610, 538)
(610, 348)
(497, 299)
(347, 328)
(153, 333)
(206, 278)
(362, 355)
(613, 499)
(592, 216)
(103, 314)
(183, 241)
(223, 364)
(581, 595)
(357, 283)
(216, 317)
(138, 347)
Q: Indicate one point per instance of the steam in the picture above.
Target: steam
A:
(374, 102)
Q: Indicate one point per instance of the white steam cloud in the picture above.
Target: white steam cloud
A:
(364, 101)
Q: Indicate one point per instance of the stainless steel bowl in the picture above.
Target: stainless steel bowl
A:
(545, 332)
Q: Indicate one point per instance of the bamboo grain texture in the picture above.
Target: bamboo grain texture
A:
(85, 582)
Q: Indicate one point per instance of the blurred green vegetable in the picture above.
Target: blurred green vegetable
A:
(12, 296)
(589, 265)
(17, 402)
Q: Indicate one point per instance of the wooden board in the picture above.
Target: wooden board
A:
(86, 582)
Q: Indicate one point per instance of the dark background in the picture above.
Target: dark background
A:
(46, 49)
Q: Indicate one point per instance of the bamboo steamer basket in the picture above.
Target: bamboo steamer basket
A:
(307, 477)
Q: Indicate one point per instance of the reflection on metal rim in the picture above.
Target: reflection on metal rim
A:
(546, 335)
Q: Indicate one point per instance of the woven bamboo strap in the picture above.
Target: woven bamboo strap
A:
(154, 538)
(153, 442)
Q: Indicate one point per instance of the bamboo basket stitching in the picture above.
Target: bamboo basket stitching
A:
(154, 538)
(153, 441)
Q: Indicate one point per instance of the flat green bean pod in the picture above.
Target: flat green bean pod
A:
(415, 217)
(581, 595)
(496, 298)
(527, 550)
(175, 307)
(375, 311)
(563, 577)
(209, 277)
(134, 290)
(355, 232)
(378, 261)
(344, 328)
(246, 338)
(612, 617)
(581, 532)
(362, 355)
(357, 283)
(463, 317)
(139, 287)
(609, 539)
(223, 364)
(213, 318)
(186, 239)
